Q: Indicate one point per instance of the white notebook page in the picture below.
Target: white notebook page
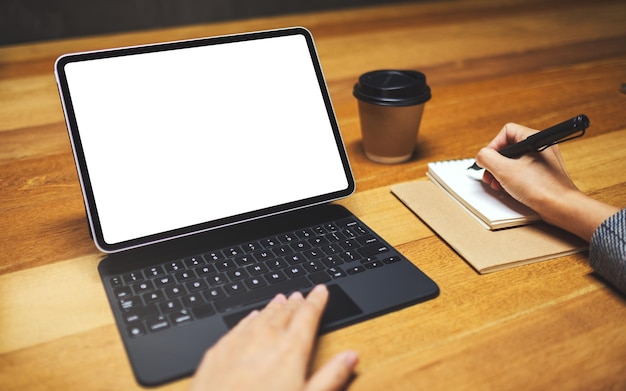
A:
(495, 209)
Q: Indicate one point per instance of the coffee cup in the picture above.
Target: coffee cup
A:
(390, 103)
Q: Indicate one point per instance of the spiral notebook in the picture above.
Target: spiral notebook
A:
(493, 209)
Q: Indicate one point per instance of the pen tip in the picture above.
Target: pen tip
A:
(475, 172)
(474, 167)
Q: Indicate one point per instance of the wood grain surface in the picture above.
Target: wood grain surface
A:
(550, 325)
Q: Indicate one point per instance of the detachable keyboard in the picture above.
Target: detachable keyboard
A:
(181, 290)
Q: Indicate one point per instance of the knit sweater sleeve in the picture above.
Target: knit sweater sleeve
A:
(607, 250)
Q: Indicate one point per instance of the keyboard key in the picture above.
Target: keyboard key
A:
(263, 293)
(349, 256)
(318, 241)
(237, 274)
(180, 317)
(158, 323)
(269, 242)
(202, 311)
(331, 249)
(304, 233)
(130, 303)
(294, 271)
(175, 266)
(392, 259)
(367, 239)
(355, 269)
(133, 277)
(349, 244)
(175, 291)
(274, 277)
(224, 265)
(294, 259)
(332, 260)
(155, 271)
(170, 306)
(214, 293)
(213, 256)
(360, 229)
(331, 227)
(313, 266)
(320, 230)
(302, 245)
(313, 254)
(282, 250)
(196, 285)
(276, 264)
(350, 233)
(245, 260)
(122, 292)
(335, 236)
(319, 277)
(136, 330)
(264, 255)
(287, 238)
(164, 281)
(255, 282)
(257, 269)
(194, 261)
(234, 288)
(185, 276)
(233, 251)
(373, 264)
(336, 272)
(143, 287)
(116, 281)
(217, 279)
(374, 249)
(251, 247)
(153, 297)
(205, 270)
(140, 314)
(192, 300)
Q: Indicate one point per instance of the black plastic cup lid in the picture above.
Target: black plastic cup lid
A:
(392, 88)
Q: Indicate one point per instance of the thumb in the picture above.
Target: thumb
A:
(489, 159)
(493, 163)
(335, 374)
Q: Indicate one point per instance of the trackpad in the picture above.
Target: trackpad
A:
(340, 306)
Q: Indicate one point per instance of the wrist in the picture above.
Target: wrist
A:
(576, 212)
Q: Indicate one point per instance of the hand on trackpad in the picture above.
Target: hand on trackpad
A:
(340, 306)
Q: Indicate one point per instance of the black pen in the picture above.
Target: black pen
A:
(566, 130)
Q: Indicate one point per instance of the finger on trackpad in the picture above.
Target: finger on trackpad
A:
(340, 306)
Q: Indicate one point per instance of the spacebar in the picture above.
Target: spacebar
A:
(263, 293)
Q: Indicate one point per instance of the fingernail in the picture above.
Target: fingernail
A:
(319, 288)
(350, 358)
(252, 314)
(279, 298)
(297, 295)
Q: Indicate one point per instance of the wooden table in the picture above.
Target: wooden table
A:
(552, 324)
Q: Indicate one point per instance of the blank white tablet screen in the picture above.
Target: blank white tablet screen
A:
(181, 137)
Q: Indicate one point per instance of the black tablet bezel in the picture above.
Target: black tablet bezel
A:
(80, 160)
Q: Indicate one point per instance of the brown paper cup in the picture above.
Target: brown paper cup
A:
(389, 133)
(390, 106)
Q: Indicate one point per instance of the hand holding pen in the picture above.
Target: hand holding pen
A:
(541, 182)
(564, 131)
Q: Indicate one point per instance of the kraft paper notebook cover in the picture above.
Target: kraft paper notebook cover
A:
(494, 208)
(487, 251)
